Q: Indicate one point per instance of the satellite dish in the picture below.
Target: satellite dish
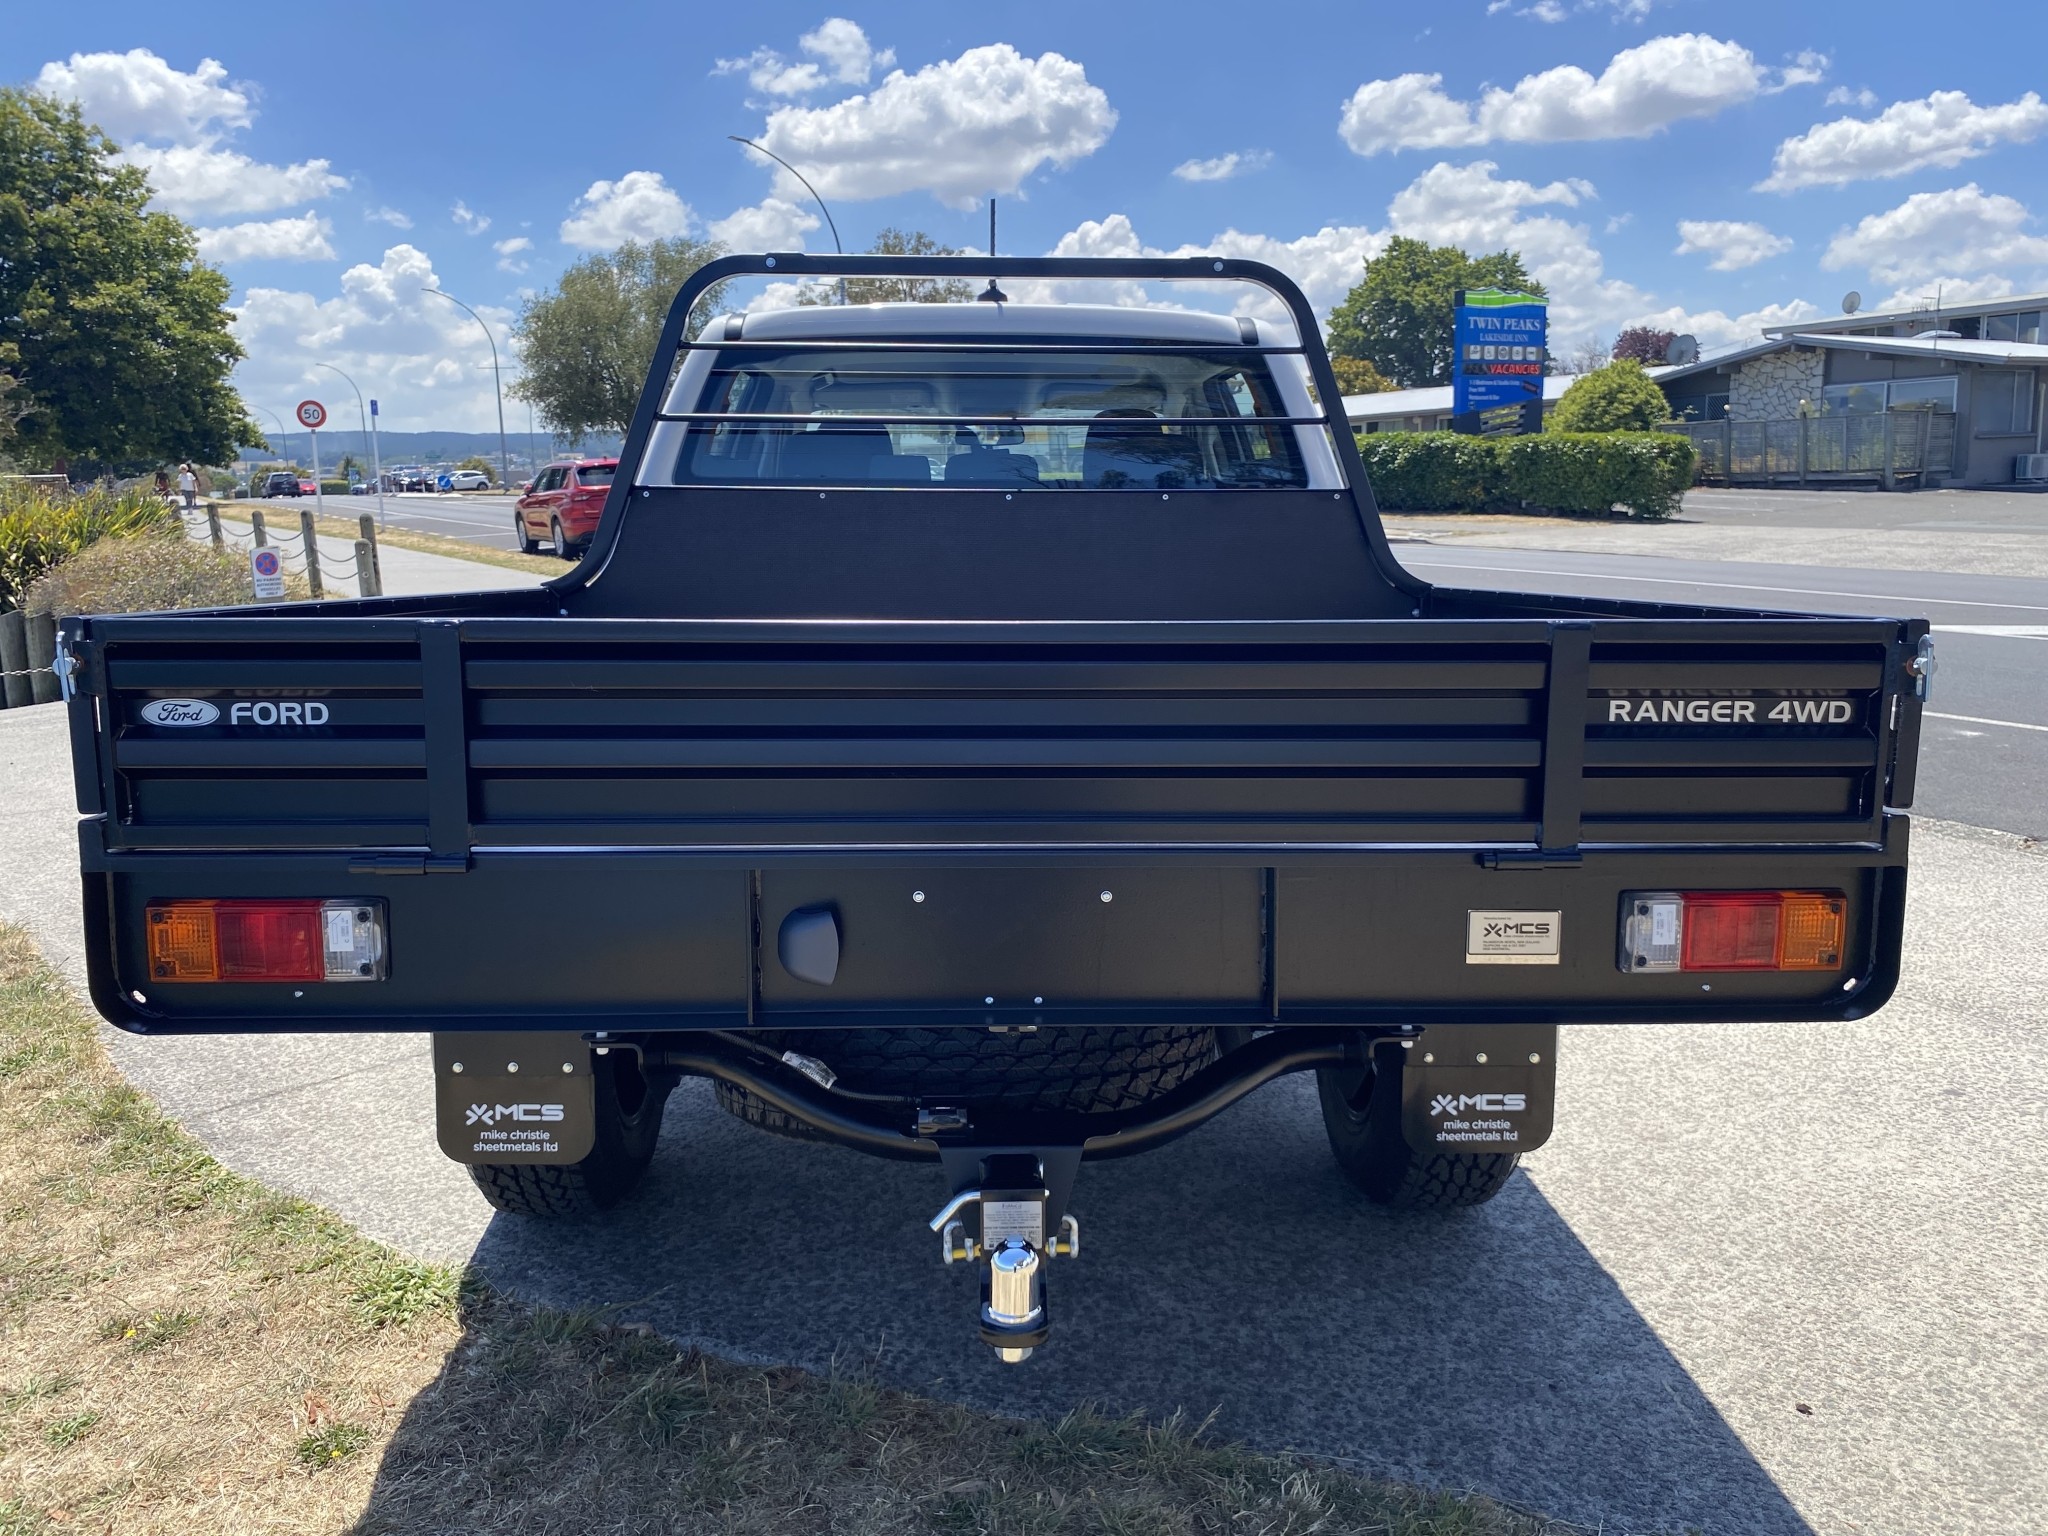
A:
(1683, 351)
(1851, 302)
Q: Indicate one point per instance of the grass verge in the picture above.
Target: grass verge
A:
(183, 1350)
(345, 531)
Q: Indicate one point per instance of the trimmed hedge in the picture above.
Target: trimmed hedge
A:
(1643, 473)
(38, 530)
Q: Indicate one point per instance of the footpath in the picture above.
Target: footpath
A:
(406, 572)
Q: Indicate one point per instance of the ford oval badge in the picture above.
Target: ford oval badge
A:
(179, 712)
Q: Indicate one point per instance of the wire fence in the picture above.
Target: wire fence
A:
(360, 567)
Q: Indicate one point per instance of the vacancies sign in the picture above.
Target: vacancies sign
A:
(1500, 340)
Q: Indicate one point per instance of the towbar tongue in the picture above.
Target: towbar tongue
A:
(1003, 1228)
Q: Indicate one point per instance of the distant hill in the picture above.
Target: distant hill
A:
(434, 447)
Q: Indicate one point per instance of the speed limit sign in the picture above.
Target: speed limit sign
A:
(312, 415)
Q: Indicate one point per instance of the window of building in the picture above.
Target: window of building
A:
(2005, 402)
(1922, 394)
(2024, 327)
(1852, 399)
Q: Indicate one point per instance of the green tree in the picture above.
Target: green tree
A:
(1357, 376)
(115, 332)
(350, 467)
(1617, 398)
(478, 462)
(896, 290)
(587, 344)
(1400, 316)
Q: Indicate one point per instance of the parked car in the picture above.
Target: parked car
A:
(362, 488)
(281, 482)
(307, 487)
(563, 506)
(410, 477)
(469, 480)
(1018, 779)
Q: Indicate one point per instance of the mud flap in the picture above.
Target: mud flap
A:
(1479, 1088)
(514, 1098)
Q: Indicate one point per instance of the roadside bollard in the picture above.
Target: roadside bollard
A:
(366, 570)
(14, 659)
(369, 526)
(309, 541)
(42, 658)
(213, 525)
(259, 531)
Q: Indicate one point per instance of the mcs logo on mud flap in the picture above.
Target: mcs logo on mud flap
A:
(1484, 1103)
(491, 1114)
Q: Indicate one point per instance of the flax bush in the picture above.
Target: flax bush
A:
(39, 530)
(147, 573)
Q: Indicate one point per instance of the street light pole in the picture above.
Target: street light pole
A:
(497, 382)
(799, 175)
(285, 451)
(376, 460)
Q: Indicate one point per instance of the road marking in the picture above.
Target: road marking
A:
(2011, 725)
(1733, 586)
(2001, 631)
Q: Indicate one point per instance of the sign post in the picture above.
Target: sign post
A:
(377, 464)
(1500, 344)
(313, 416)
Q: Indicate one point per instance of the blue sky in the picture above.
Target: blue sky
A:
(1706, 167)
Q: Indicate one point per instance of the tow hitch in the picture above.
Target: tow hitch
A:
(1012, 1241)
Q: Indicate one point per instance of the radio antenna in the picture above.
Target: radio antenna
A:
(992, 294)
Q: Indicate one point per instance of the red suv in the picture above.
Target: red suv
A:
(562, 505)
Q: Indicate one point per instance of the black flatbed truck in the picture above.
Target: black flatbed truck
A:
(1001, 736)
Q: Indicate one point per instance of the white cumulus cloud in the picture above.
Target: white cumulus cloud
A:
(468, 219)
(418, 356)
(509, 252)
(770, 225)
(1943, 128)
(1642, 90)
(195, 180)
(1733, 243)
(959, 129)
(137, 96)
(640, 205)
(391, 216)
(1962, 230)
(840, 54)
(304, 238)
(1239, 162)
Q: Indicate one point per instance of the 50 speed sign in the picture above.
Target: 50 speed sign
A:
(312, 415)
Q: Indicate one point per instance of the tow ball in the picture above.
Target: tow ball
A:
(1013, 1246)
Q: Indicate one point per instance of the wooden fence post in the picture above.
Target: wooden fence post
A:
(14, 659)
(309, 541)
(1891, 479)
(369, 526)
(259, 531)
(366, 570)
(213, 525)
(1805, 442)
(42, 658)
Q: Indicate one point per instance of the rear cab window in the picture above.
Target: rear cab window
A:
(1039, 412)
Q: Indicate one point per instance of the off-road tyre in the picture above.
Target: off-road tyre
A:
(629, 1109)
(528, 544)
(1081, 1071)
(1362, 1115)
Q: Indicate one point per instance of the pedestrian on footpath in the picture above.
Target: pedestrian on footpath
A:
(163, 485)
(188, 486)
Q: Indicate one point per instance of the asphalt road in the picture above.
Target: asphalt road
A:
(1770, 1280)
(477, 517)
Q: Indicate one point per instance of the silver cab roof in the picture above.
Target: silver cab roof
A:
(812, 322)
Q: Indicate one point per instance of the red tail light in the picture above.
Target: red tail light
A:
(266, 940)
(1733, 930)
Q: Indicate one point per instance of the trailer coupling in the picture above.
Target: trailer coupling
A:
(1013, 1245)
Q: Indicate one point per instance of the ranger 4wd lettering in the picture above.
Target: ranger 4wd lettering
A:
(1000, 736)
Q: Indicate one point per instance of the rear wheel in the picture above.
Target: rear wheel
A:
(629, 1107)
(528, 544)
(1082, 1071)
(1362, 1114)
(561, 541)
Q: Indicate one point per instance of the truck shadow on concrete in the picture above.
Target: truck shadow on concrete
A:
(1233, 1271)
